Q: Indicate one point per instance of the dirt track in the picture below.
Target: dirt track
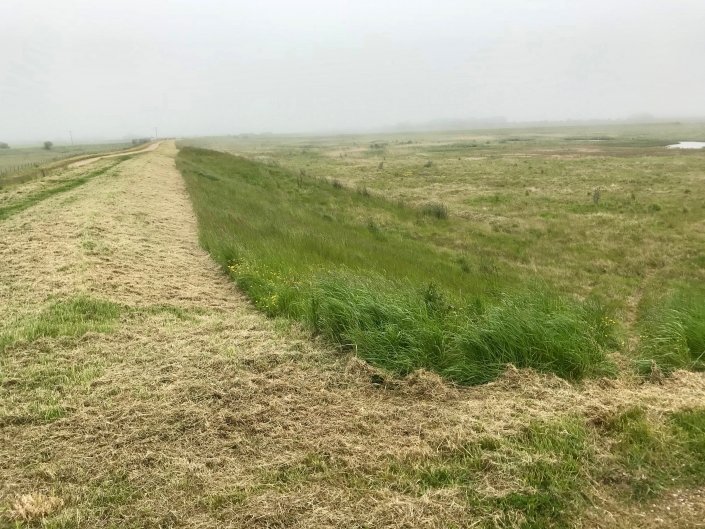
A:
(195, 397)
(80, 163)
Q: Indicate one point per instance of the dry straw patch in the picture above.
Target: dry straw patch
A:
(196, 411)
(30, 507)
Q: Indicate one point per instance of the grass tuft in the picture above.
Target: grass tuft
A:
(650, 456)
(405, 330)
(70, 317)
(673, 332)
(437, 210)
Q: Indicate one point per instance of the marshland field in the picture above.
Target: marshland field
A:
(498, 328)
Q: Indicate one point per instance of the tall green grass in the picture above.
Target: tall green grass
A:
(673, 331)
(307, 250)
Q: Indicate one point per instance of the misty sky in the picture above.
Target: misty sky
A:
(107, 69)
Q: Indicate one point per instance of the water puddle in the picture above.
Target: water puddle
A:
(687, 145)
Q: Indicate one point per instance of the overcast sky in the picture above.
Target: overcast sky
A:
(193, 67)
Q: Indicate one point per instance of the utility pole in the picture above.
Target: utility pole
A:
(71, 136)
(155, 133)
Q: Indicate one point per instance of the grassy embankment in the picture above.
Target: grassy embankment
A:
(344, 263)
(605, 213)
(350, 266)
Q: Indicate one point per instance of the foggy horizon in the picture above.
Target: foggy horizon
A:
(117, 70)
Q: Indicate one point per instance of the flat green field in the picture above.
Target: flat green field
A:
(579, 251)
(19, 160)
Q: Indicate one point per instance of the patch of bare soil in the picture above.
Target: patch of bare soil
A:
(199, 412)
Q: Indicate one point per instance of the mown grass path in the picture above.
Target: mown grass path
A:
(138, 388)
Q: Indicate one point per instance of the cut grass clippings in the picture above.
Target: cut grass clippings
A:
(34, 198)
(76, 316)
(543, 475)
(70, 317)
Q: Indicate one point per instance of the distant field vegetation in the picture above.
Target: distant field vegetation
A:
(18, 164)
(563, 250)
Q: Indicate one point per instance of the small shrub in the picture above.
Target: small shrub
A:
(337, 184)
(435, 209)
(596, 194)
(363, 191)
(464, 265)
(373, 227)
(434, 299)
(429, 163)
(48, 145)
